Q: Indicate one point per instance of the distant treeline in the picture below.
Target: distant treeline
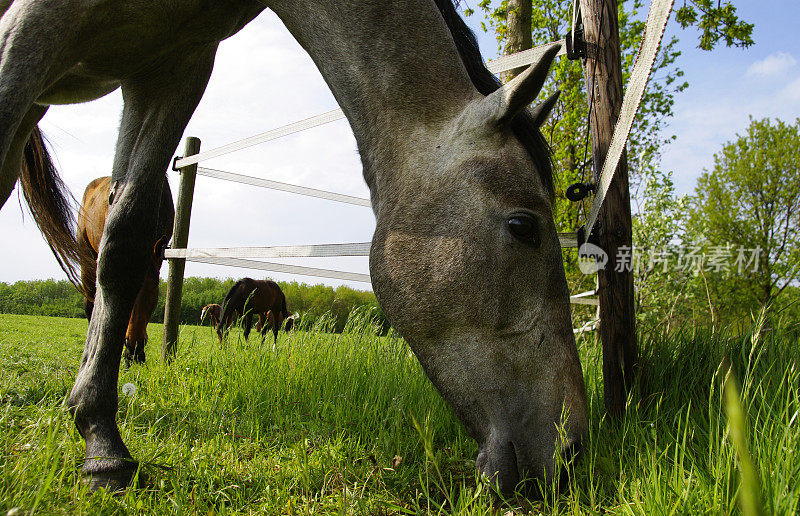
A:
(61, 299)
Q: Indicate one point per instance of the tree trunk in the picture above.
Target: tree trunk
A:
(518, 32)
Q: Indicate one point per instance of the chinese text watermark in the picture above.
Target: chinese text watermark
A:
(724, 259)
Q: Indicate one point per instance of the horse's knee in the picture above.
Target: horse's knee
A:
(121, 266)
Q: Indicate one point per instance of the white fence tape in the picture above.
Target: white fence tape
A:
(524, 58)
(580, 300)
(565, 239)
(651, 42)
(274, 134)
(591, 325)
(501, 64)
(569, 240)
(285, 251)
(283, 187)
(284, 268)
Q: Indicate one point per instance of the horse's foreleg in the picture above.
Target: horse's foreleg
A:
(263, 323)
(277, 322)
(157, 108)
(248, 323)
(136, 335)
(88, 308)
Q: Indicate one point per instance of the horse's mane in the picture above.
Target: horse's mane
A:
(485, 82)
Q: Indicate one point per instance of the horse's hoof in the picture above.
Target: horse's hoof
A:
(113, 475)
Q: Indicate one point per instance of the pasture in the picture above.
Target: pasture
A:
(348, 423)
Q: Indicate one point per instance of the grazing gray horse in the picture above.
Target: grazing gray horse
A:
(465, 258)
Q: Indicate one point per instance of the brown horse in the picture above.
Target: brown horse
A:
(212, 311)
(91, 221)
(262, 298)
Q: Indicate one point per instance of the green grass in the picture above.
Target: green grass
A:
(314, 427)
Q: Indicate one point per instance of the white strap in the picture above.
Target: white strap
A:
(568, 239)
(294, 127)
(591, 325)
(284, 268)
(524, 58)
(651, 41)
(580, 300)
(501, 64)
(283, 187)
(286, 251)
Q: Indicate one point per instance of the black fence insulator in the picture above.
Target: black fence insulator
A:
(576, 41)
(578, 191)
(175, 163)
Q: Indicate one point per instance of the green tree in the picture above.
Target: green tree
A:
(661, 289)
(750, 201)
(715, 22)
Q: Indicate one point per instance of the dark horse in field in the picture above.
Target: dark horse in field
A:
(465, 259)
(249, 298)
(91, 221)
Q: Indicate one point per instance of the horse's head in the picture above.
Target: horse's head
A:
(467, 265)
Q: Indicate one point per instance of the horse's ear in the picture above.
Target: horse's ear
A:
(511, 98)
(542, 111)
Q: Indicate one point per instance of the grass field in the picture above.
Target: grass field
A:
(325, 424)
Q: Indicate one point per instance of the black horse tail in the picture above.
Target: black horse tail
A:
(51, 204)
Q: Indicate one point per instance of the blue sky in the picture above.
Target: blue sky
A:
(728, 85)
(263, 79)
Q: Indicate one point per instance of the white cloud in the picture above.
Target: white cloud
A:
(708, 116)
(772, 65)
(792, 91)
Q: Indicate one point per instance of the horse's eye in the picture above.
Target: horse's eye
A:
(525, 228)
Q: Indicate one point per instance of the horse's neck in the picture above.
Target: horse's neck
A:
(391, 64)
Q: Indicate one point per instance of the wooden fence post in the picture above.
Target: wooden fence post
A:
(180, 238)
(603, 73)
